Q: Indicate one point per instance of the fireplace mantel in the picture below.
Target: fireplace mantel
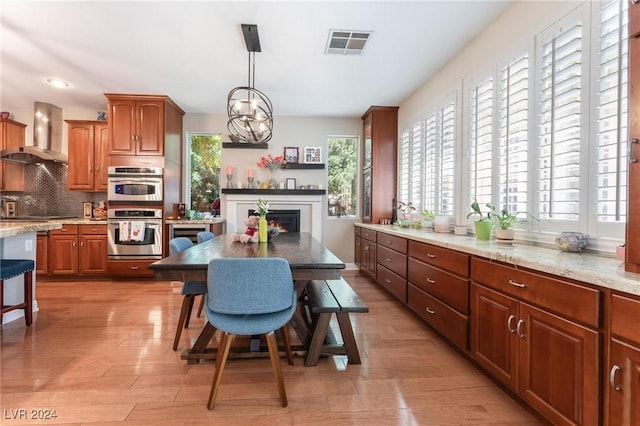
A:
(309, 202)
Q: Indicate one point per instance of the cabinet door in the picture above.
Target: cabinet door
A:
(101, 156)
(63, 254)
(81, 156)
(559, 367)
(11, 173)
(624, 385)
(494, 343)
(41, 254)
(366, 195)
(633, 177)
(150, 135)
(122, 130)
(92, 257)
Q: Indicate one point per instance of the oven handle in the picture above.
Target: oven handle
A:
(135, 181)
(151, 223)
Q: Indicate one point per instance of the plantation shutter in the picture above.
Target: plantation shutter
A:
(481, 121)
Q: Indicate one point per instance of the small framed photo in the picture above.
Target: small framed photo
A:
(312, 154)
(10, 209)
(291, 183)
(291, 154)
(87, 209)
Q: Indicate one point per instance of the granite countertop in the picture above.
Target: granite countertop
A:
(13, 228)
(587, 267)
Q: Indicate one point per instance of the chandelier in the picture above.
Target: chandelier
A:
(249, 110)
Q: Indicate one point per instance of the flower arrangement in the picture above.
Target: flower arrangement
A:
(263, 207)
(271, 162)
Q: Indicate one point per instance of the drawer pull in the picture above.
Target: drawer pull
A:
(431, 255)
(510, 325)
(612, 377)
(82, 244)
(389, 242)
(519, 328)
(388, 259)
(516, 284)
(430, 311)
(388, 281)
(94, 229)
(134, 268)
(431, 280)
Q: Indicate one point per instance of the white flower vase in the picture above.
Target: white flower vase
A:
(273, 180)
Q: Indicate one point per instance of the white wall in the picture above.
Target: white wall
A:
(288, 131)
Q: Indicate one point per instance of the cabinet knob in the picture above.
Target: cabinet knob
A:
(388, 281)
(519, 329)
(82, 244)
(510, 325)
(634, 1)
(388, 259)
(612, 377)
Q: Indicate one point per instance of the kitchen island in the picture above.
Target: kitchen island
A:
(18, 241)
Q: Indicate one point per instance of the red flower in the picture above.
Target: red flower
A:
(272, 162)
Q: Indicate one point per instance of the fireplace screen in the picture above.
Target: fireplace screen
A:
(284, 220)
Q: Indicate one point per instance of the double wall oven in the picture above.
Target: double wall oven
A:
(134, 216)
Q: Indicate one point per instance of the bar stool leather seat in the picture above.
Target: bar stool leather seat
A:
(11, 268)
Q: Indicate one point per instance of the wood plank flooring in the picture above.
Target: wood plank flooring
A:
(99, 353)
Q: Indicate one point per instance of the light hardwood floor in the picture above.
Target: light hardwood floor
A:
(99, 353)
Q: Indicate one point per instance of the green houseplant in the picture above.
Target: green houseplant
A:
(504, 221)
(483, 224)
(404, 209)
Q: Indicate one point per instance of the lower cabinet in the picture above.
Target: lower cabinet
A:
(130, 268)
(42, 244)
(78, 250)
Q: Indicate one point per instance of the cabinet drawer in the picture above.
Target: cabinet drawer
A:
(394, 243)
(625, 316)
(129, 268)
(451, 323)
(393, 260)
(65, 230)
(443, 258)
(449, 288)
(93, 229)
(368, 234)
(394, 283)
(564, 298)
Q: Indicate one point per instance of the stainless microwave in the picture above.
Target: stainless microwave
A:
(135, 184)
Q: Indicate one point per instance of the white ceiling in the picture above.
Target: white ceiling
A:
(195, 53)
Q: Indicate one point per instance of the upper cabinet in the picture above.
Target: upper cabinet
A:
(88, 155)
(139, 124)
(379, 154)
(11, 136)
(632, 262)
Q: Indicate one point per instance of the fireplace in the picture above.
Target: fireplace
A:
(284, 220)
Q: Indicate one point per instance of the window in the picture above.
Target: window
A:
(342, 165)
(411, 164)
(481, 124)
(204, 170)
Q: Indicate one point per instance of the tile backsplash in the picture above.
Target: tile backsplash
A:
(46, 193)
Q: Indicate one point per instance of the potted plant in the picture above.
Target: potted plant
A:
(403, 209)
(483, 224)
(428, 218)
(504, 221)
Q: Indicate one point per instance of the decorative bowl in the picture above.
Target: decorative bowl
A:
(573, 242)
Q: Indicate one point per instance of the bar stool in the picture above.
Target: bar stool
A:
(10, 268)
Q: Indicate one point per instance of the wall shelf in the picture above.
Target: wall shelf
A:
(243, 145)
(274, 191)
(304, 166)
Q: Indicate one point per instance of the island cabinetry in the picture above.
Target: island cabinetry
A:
(539, 336)
(78, 250)
(391, 265)
(42, 244)
(368, 252)
(11, 173)
(142, 124)
(88, 155)
(357, 246)
(438, 290)
(623, 390)
(379, 153)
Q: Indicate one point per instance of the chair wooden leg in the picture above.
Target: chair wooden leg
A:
(272, 344)
(221, 361)
(1, 300)
(181, 320)
(191, 298)
(199, 314)
(28, 297)
(287, 343)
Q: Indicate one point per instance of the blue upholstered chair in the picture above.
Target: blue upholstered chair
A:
(190, 289)
(249, 297)
(205, 236)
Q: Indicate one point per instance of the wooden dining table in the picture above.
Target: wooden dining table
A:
(308, 258)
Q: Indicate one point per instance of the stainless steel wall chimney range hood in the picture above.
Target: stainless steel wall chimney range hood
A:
(47, 138)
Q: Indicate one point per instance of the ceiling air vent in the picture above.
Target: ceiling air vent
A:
(342, 42)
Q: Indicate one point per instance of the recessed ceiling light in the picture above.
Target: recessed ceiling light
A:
(57, 83)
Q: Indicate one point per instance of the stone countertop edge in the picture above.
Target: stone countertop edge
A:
(194, 221)
(13, 228)
(585, 267)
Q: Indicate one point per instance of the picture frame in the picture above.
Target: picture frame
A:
(312, 155)
(87, 210)
(291, 154)
(10, 209)
(291, 183)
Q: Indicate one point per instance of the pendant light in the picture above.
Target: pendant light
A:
(250, 111)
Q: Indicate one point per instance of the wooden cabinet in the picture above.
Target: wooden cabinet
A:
(11, 173)
(632, 262)
(42, 244)
(368, 252)
(391, 268)
(379, 154)
(357, 246)
(142, 124)
(538, 335)
(623, 390)
(78, 250)
(438, 290)
(88, 155)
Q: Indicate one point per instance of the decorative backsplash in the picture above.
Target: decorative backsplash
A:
(46, 193)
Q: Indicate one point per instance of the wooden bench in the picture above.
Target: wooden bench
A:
(326, 298)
